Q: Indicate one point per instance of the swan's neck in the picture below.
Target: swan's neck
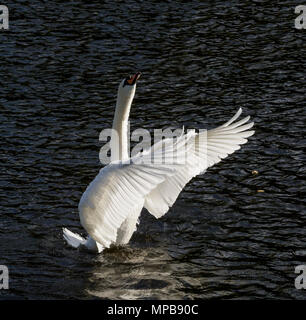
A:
(119, 139)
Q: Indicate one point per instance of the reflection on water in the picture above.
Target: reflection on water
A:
(60, 70)
(139, 273)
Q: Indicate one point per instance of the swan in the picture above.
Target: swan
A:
(111, 205)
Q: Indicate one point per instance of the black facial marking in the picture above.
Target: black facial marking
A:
(126, 81)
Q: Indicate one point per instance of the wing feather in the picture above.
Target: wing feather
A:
(209, 148)
(122, 186)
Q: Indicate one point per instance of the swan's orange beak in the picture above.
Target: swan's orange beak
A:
(134, 78)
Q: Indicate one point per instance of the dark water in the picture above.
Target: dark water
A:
(60, 67)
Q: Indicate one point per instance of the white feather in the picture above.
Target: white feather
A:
(218, 144)
(110, 207)
(119, 190)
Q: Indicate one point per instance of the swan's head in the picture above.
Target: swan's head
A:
(130, 81)
(127, 87)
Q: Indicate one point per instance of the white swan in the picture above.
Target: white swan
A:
(110, 207)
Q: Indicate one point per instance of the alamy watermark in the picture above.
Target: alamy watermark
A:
(300, 280)
(4, 277)
(168, 146)
(4, 17)
(300, 20)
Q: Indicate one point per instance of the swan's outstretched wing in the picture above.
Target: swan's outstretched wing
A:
(209, 148)
(119, 187)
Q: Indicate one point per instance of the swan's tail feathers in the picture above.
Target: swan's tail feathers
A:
(73, 239)
(93, 245)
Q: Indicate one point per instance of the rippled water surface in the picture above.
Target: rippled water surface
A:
(60, 67)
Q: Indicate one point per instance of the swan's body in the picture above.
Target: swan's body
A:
(110, 207)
